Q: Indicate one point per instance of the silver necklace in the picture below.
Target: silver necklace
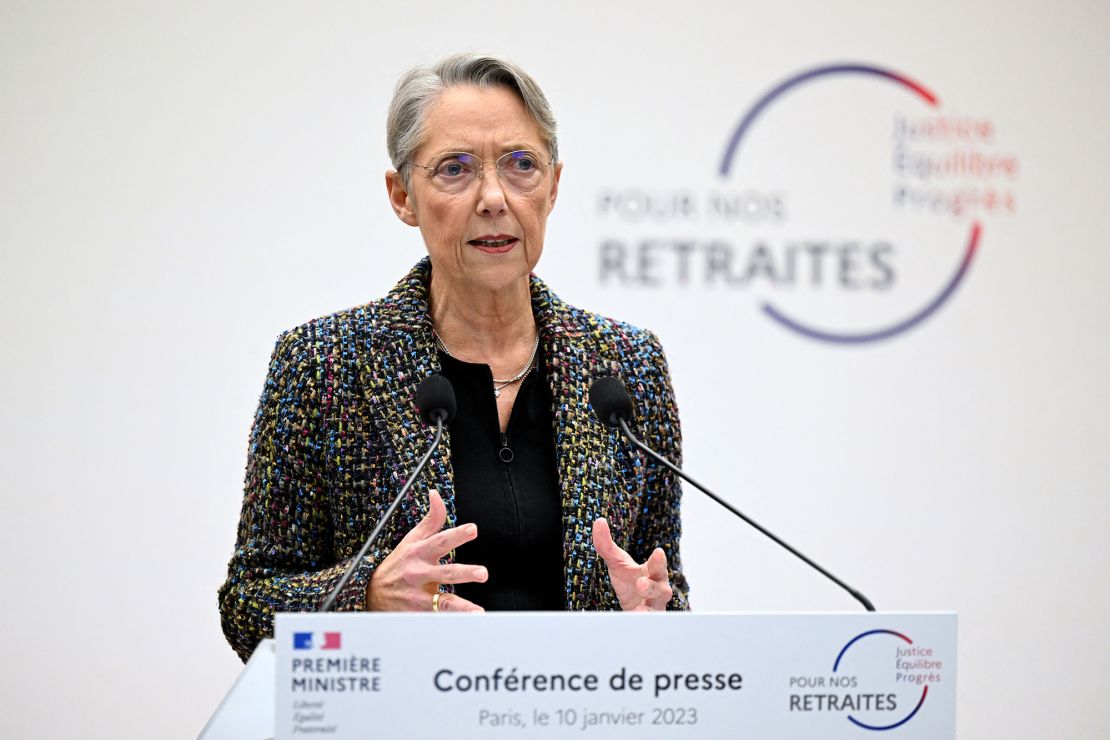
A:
(498, 385)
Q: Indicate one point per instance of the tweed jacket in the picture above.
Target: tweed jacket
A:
(337, 432)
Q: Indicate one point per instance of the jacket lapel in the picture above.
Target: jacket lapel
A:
(590, 481)
(401, 354)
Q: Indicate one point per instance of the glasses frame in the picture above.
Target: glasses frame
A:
(481, 169)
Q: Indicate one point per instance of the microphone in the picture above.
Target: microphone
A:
(613, 406)
(610, 400)
(435, 399)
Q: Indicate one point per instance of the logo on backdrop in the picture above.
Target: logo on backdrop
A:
(863, 241)
(879, 681)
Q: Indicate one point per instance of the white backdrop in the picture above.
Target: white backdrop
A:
(183, 181)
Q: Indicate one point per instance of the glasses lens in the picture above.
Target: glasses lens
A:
(454, 172)
(521, 170)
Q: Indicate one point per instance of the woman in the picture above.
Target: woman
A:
(544, 507)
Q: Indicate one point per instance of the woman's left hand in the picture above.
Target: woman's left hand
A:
(639, 587)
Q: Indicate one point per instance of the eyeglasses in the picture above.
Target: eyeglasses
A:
(454, 172)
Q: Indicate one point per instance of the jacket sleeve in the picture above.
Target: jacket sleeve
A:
(284, 557)
(659, 522)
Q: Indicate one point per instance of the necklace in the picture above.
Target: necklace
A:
(498, 385)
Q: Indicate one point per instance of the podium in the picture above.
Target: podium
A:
(598, 675)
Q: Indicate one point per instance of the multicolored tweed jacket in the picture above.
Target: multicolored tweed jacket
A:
(336, 433)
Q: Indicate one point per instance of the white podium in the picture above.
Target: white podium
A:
(598, 675)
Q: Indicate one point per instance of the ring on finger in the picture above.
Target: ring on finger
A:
(435, 601)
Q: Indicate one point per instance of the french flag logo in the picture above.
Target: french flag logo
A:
(304, 641)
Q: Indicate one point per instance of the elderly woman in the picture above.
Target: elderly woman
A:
(531, 503)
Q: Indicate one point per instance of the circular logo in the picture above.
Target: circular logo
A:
(945, 291)
(912, 712)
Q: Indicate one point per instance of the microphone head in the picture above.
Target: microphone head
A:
(610, 400)
(435, 397)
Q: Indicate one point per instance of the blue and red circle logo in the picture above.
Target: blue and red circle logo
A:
(924, 690)
(952, 164)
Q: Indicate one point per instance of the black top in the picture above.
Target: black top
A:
(508, 485)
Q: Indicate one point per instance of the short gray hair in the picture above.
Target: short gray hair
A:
(420, 86)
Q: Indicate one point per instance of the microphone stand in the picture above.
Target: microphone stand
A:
(675, 469)
(330, 601)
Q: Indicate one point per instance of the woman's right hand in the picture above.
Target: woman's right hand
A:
(410, 576)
